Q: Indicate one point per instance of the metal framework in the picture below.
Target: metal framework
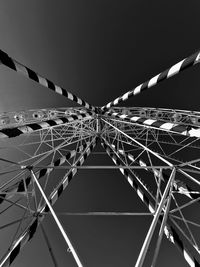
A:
(156, 151)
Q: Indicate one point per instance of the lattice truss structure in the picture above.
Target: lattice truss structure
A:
(156, 150)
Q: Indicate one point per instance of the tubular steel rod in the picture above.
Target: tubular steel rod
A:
(103, 167)
(175, 69)
(144, 147)
(28, 73)
(30, 230)
(18, 188)
(173, 236)
(66, 238)
(105, 213)
(182, 188)
(35, 127)
(145, 246)
(171, 127)
(162, 227)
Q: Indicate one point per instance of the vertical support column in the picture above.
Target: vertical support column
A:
(149, 235)
(162, 227)
(98, 124)
(57, 220)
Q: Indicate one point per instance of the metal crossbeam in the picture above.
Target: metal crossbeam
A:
(30, 230)
(175, 69)
(27, 72)
(143, 193)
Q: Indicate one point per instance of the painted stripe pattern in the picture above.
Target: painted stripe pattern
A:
(27, 235)
(178, 185)
(20, 186)
(158, 124)
(175, 69)
(169, 231)
(29, 128)
(129, 176)
(28, 73)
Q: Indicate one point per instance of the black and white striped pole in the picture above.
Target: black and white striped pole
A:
(11, 63)
(20, 185)
(182, 188)
(32, 127)
(30, 230)
(175, 69)
(177, 128)
(143, 193)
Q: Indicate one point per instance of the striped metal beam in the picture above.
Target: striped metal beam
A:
(19, 186)
(32, 127)
(178, 186)
(29, 232)
(175, 69)
(158, 124)
(11, 63)
(143, 194)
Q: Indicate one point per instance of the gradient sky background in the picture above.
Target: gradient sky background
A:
(99, 50)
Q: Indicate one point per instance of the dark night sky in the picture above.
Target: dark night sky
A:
(98, 50)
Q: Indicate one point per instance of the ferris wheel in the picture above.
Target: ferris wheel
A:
(155, 149)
